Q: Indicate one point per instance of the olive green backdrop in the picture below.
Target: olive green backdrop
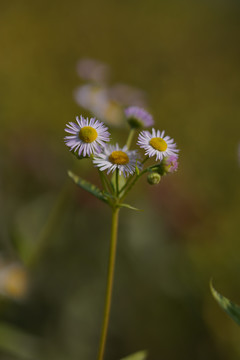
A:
(185, 55)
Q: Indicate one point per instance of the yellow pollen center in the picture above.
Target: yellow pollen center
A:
(119, 157)
(158, 144)
(88, 134)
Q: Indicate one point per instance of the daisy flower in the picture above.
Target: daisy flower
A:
(87, 136)
(156, 143)
(113, 157)
(138, 117)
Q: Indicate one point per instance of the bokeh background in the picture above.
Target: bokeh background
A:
(185, 56)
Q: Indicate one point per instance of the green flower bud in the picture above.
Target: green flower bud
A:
(153, 178)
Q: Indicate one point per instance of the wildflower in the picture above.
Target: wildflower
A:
(171, 164)
(156, 143)
(87, 136)
(138, 117)
(113, 157)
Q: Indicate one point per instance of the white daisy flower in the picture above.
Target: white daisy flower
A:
(113, 157)
(87, 136)
(156, 143)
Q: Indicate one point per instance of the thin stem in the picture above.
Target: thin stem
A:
(125, 185)
(144, 160)
(133, 183)
(105, 181)
(104, 184)
(108, 298)
(135, 179)
(130, 137)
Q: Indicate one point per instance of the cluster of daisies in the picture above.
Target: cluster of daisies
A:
(89, 138)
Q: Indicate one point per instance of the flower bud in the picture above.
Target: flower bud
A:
(153, 178)
(170, 164)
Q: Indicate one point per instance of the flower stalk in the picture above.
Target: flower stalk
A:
(87, 138)
(111, 266)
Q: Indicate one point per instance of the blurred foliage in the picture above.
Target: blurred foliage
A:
(227, 305)
(140, 355)
(185, 55)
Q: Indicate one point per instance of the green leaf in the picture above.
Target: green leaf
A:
(85, 185)
(129, 207)
(227, 305)
(140, 355)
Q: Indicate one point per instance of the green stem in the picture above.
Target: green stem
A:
(105, 182)
(125, 185)
(146, 158)
(133, 183)
(108, 298)
(129, 180)
(130, 137)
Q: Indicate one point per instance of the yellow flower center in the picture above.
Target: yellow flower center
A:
(158, 144)
(88, 134)
(119, 157)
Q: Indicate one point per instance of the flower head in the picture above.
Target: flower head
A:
(138, 117)
(113, 157)
(156, 143)
(87, 136)
(171, 163)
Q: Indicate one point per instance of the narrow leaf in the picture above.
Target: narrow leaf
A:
(129, 207)
(140, 355)
(85, 185)
(227, 305)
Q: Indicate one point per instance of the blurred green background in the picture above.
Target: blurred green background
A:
(186, 56)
